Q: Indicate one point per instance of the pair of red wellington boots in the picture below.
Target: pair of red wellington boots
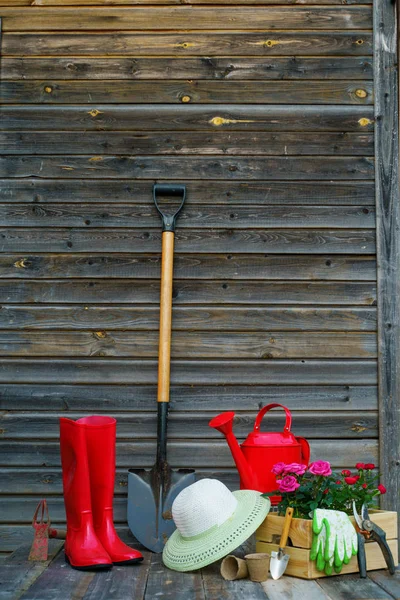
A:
(88, 467)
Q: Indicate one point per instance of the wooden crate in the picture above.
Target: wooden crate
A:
(300, 540)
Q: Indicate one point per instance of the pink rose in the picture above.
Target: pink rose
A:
(295, 468)
(320, 467)
(278, 468)
(288, 484)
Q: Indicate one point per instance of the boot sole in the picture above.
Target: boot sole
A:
(132, 561)
(88, 567)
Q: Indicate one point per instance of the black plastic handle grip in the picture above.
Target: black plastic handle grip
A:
(169, 189)
(378, 535)
(361, 557)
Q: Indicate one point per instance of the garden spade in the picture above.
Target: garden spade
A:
(280, 559)
(151, 493)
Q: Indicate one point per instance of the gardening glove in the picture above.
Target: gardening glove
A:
(340, 538)
(318, 547)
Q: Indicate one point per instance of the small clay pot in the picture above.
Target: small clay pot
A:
(233, 568)
(258, 566)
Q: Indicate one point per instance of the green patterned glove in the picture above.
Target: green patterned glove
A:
(318, 547)
(335, 540)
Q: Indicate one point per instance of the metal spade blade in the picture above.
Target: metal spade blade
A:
(150, 497)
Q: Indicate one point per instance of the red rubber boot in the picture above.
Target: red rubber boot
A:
(100, 441)
(83, 549)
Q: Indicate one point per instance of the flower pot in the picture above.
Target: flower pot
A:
(233, 567)
(300, 540)
(258, 566)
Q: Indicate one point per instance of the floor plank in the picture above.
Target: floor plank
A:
(351, 587)
(121, 583)
(74, 584)
(20, 556)
(17, 573)
(390, 583)
(292, 588)
(15, 579)
(165, 584)
(152, 581)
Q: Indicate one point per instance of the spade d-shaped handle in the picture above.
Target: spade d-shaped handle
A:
(172, 190)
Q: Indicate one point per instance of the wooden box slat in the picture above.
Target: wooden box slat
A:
(301, 566)
(301, 535)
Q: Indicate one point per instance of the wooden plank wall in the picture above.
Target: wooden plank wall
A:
(387, 143)
(266, 113)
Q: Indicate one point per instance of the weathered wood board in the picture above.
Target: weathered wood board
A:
(140, 425)
(95, 116)
(188, 142)
(185, 17)
(387, 179)
(221, 192)
(203, 44)
(197, 91)
(237, 68)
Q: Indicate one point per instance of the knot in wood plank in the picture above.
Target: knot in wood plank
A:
(22, 263)
(100, 335)
(94, 112)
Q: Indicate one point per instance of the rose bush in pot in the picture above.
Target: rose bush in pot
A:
(316, 486)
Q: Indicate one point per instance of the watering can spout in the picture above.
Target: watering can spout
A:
(224, 423)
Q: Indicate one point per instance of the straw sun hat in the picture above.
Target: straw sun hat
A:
(211, 521)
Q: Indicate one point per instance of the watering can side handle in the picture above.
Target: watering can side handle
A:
(305, 450)
(262, 412)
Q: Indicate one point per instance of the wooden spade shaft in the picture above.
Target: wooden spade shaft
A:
(164, 348)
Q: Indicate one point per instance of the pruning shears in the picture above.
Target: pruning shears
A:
(367, 530)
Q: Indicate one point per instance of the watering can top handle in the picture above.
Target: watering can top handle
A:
(262, 412)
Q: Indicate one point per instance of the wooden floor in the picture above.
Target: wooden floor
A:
(55, 580)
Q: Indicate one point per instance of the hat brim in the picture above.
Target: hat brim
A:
(190, 554)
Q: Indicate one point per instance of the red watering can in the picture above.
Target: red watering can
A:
(261, 450)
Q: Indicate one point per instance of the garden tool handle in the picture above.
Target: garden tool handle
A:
(361, 557)
(262, 412)
(59, 534)
(379, 536)
(286, 526)
(169, 189)
(164, 348)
